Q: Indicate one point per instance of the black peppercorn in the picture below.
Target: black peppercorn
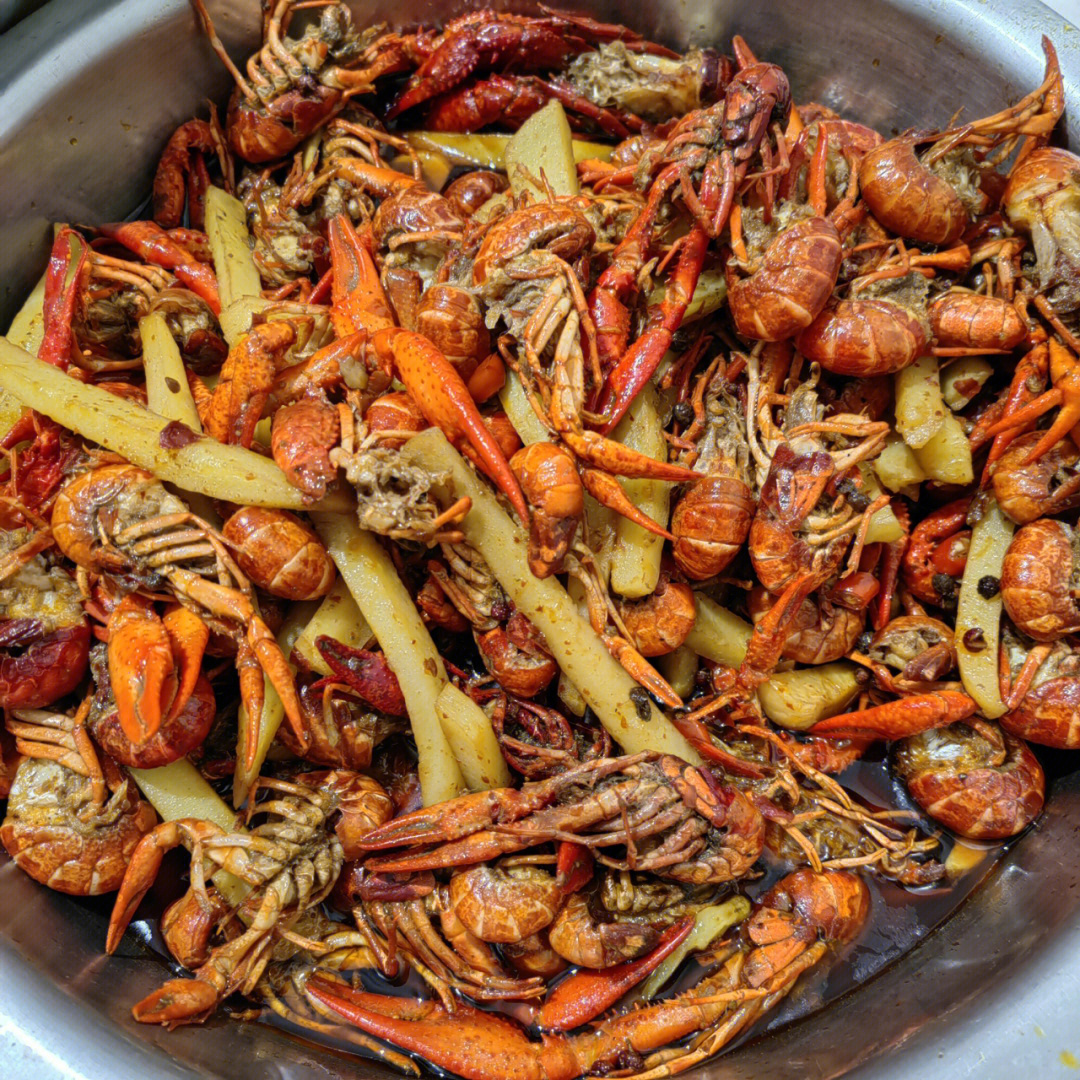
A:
(640, 698)
(683, 412)
(944, 586)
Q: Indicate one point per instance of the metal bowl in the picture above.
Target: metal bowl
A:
(92, 90)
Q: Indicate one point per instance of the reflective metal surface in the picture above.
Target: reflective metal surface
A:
(11, 11)
(91, 89)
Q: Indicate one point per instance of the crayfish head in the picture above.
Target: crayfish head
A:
(835, 903)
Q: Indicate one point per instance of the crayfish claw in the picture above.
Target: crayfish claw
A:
(898, 719)
(179, 1001)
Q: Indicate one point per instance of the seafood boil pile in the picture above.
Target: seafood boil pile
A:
(494, 502)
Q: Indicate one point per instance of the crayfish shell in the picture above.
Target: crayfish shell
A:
(45, 834)
(710, 523)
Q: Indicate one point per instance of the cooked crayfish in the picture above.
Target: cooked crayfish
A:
(117, 518)
(73, 819)
(790, 932)
(679, 821)
(290, 860)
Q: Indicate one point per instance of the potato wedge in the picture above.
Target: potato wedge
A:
(230, 244)
(167, 390)
(709, 924)
(920, 409)
(884, 526)
(435, 168)
(235, 320)
(799, 699)
(489, 151)
(710, 294)
(273, 712)
(543, 148)
(570, 696)
(680, 669)
(178, 791)
(239, 283)
(522, 415)
(964, 857)
(896, 466)
(946, 455)
(27, 330)
(718, 635)
(337, 617)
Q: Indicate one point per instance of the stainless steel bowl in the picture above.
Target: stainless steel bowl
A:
(91, 90)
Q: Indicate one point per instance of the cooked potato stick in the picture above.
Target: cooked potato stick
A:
(946, 455)
(435, 167)
(718, 635)
(789, 697)
(963, 379)
(635, 562)
(230, 245)
(543, 149)
(469, 732)
(235, 320)
(920, 409)
(710, 294)
(799, 699)
(337, 617)
(493, 206)
(489, 151)
(884, 527)
(239, 284)
(203, 465)
(273, 710)
(169, 395)
(896, 466)
(978, 619)
(576, 648)
(680, 670)
(167, 390)
(11, 409)
(473, 151)
(522, 415)
(709, 924)
(570, 695)
(178, 791)
(600, 531)
(405, 641)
